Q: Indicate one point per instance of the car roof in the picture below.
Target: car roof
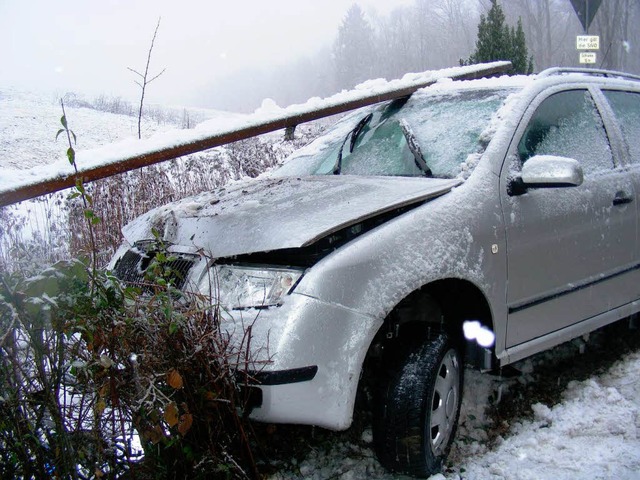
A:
(541, 81)
(590, 72)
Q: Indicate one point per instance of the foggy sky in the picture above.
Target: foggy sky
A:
(85, 46)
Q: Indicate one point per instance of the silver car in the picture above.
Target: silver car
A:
(474, 222)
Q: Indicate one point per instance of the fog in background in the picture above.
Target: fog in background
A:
(232, 55)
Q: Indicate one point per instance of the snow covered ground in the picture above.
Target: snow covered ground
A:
(29, 122)
(28, 125)
(573, 413)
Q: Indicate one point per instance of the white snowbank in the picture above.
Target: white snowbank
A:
(594, 433)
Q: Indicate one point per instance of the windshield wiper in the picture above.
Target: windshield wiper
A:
(414, 146)
(354, 133)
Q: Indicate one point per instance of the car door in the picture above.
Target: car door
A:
(569, 248)
(626, 108)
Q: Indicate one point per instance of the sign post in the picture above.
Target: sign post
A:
(586, 10)
(588, 42)
(588, 58)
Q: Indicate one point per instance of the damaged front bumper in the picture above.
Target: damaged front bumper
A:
(306, 357)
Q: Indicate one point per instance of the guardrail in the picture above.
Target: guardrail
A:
(113, 159)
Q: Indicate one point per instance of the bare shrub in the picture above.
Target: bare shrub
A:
(115, 105)
(144, 78)
(182, 118)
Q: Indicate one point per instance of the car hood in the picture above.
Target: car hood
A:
(275, 213)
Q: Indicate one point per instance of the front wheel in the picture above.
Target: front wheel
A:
(417, 408)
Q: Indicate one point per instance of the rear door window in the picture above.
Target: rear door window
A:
(626, 106)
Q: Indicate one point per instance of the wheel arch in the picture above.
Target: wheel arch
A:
(442, 305)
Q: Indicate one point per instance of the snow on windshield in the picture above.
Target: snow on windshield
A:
(447, 127)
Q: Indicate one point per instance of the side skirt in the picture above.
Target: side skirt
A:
(526, 349)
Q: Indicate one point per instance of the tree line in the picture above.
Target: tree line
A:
(432, 34)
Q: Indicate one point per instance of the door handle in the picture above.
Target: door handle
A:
(622, 198)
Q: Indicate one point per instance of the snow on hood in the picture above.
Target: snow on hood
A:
(276, 213)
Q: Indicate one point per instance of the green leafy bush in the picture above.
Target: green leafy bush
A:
(98, 379)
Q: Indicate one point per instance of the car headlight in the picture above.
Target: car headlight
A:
(238, 287)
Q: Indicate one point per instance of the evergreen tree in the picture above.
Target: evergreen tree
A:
(498, 41)
(519, 50)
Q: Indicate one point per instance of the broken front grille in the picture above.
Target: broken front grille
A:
(132, 267)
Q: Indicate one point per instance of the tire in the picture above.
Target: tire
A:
(417, 408)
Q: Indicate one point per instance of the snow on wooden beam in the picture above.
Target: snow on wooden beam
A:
(110, 160)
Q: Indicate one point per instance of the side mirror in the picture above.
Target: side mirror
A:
(547, 171)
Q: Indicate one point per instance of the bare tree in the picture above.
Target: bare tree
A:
(613, 24)
(457, 26)
(396, 40)
(144, 78)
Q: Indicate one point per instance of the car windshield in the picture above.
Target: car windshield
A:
(424, 135)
